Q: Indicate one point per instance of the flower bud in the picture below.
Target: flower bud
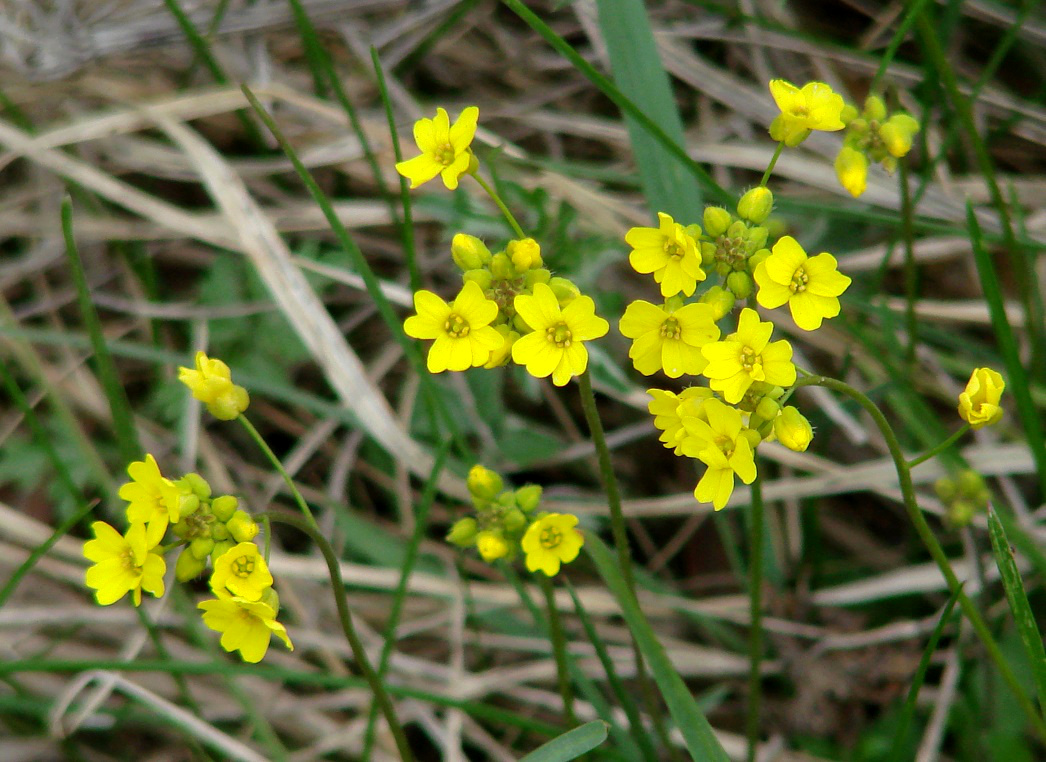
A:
(564, 290)
(848, 114)
(674, 303)
(223, 507)
(874, 108)
(946, 489)
(271, 599)
(897, 134)
(463, 532)
(752, 436)
(538, 275)
(484, 483)
(971, 483)
(188, 566)
(759, 256)
(737, 229)
(756, 238)
(528, 497)
(693, 230)
(740, 283)
(228, 405)
(768, 409)
(220, 532)
(716, 220)
(196, 484)
(188, 503)
(960, 513)
(793, 430)
(525, 254)
(707, 249)
(221, 548)
(201, 547)
(468, 252)
(481, 278)
(473, 163)
(851, 167)
(720, 300)
(979, 402)
(514, 520)
(242, 527)
(519, 325)
(501, 355)
(491, 545)
(501, 267)
(756, 204)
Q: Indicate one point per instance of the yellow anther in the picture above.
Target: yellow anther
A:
(559, 335)
(799, 281)
(550, 537)
(670, 329)
(456, 326)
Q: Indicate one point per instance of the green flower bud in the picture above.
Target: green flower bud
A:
(484, 483)
(501, 267)
(767, 409)
(188, 504)
(201, 547)
(970, 483)
(756, 204)
(473, 163)
(481, 278)
(720, 300)
(693, 230)
(874, 108)
(468, 252)
(960, 513)
(898, 133)
(564, 290)
(752, 436)
(793, 430)
(220, 532)
(740, 283)
(707, 253)
(539, 275)
(756, 238)
(196, 484)
(224, 507)
(755, 259)
(514, 520)
(528, 497)
(849, 113)
(181, 528)
(723, 268)
(463, 532)
(716, 220)
(221, 548)
(520, 325)
(674, 303)
(737, 229)
(525, 254)
(242, 527)
(188, 566)
(947, 490)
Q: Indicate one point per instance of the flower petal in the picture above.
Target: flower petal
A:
(464, 129)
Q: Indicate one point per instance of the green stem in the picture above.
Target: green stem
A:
(929, 540)
(755, 626)
(559, 650)
(911, 274)
(501, 205)
(771, 165)
(257, 437)
(939, 448)
(358, 652)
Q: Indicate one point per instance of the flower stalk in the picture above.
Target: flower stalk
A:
(755, 625)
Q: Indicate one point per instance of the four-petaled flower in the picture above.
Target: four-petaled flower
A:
(555, 347)
(246, 626)
(811, 286)
(725, 446)
(154, 500)
(444, 148)
(464, 337)
(814, 107)
(122, 564)
(747, 356)
(668, 252)
(667, 338)
(550, 541)
(668, 409)
(979, 401)
(241, 571)
(211, 383)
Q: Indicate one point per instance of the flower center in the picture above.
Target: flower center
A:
(243, 566)
(751, 362)
(799, 281)
(674, 249)
(127, 559)
(559, 334)
(445, 154)
(550, 538)
(725, 445)
(800, 110)
(670, 329)
(456, 326)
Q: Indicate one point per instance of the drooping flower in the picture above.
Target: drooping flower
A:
(742, 358)
(811, 286)
(813, 107)
(668, 338)
(211, 383)
(725, 446)
(122, 564)
(444, 148)
(979, 401)
(556, 348)
(154, 501)
(551, 541)
(669, 253)
(464, 337)
(241, 571)
(668, 408)
(851, 167)
(246, 626)
(793, 430)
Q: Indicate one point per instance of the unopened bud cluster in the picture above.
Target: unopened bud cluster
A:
(872, 136)
(502, 516)
(964, 496)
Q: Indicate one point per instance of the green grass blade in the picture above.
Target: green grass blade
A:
(698, 735)
(1019, 605)
(123, 418)
(571, 744)
(642, 78)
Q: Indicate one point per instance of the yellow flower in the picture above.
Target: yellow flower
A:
(555, 347)
(246, 626)
(211, 383)
(241, 571)
(667, 409)
(444, 148)
(491, 545)
(745, 357)
(122, 564)
(154, 500)
(851, 167)
(464, 337)
(814, 107)
(898, 133)
(667, 338)
(550, 541)
(810, 285)
(669, 253)
(793, 430)
(979, 402)
(726, 447)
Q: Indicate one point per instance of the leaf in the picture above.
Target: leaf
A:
(571, 744)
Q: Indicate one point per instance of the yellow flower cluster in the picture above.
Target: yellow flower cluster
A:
(874, 135)
(211, 383)
(506, 523)
(205, 528)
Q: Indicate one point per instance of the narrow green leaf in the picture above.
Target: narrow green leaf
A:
(642, 78)
(698, 735)
(571, 744)
(1019, 605)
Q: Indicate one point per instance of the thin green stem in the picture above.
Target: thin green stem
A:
(257, 437)
(911, 274)
(939, 448)
(559, 649)
(388, 709)
(895, 43)
(500, 204)
(929, 540)
(755, 626)
(772, 164)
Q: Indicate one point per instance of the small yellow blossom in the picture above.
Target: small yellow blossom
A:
(898, 134)
(211, 383)
(154, 500)
(668, 338)
(669, 253)
(811, 286)
(668, 409)
(502, 354)
(979, 402)
(726, 447)
(793, 430)
(241, 571)
(556, 345)
(814, 107)
(464, 337)
(491, 545)
(550, 541)
(122, 564)
(747, 356)
(444, 148)
(246, 626)
(851, 167)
